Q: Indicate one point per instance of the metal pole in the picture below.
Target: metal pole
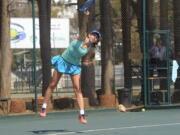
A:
(34, 55)
(144, 51)
(168, 66)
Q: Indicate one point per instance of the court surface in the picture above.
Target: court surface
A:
(101, 122)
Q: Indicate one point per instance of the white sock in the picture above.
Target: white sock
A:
(44, 105)
(81, 112)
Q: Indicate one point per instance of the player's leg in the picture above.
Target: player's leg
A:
(53, 83)
(79, 96)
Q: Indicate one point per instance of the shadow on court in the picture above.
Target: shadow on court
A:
(101, 122)
(49, 131)
(42, 132)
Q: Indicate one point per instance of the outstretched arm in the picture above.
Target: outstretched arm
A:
(84, 26)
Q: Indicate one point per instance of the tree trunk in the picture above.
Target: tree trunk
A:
(126, 30)
(88, 70)
(107, 48)
(5, 51)
(137, 8)
(5, 55)
(176, 10)
(163, 26)
(45, 44)
(149, 21)
(164, 14)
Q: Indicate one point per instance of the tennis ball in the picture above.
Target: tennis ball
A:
(143, 109)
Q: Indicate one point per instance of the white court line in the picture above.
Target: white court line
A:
(120, 128)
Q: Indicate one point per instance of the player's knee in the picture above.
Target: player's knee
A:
(77, 90)
(52, 85)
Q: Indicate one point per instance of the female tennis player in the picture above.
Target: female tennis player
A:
(70, 63)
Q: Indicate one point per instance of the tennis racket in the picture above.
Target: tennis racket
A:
(87, 5)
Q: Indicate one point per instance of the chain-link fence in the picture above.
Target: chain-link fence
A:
(127, 49)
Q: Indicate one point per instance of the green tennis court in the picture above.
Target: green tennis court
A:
(101, 122)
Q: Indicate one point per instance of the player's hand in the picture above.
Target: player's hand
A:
(87, 41)
(86, 12)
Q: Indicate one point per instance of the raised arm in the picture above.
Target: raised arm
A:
(83, 27)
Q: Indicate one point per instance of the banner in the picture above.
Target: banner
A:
(21, 33)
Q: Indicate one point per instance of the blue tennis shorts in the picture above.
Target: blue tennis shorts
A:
(62, 66)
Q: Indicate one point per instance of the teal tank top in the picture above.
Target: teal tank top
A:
(74, 52)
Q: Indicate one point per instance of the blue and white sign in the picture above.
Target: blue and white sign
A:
(21, 33)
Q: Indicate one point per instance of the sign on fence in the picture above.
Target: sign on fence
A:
(21, 33)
